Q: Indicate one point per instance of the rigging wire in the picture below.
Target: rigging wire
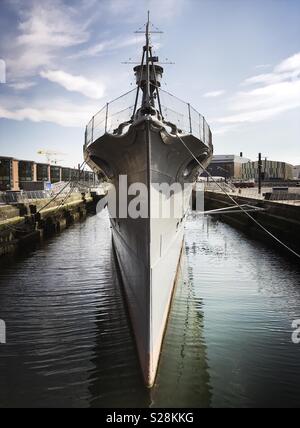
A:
(60, 192)
(237, 204)
(62, 203)
(72, 184)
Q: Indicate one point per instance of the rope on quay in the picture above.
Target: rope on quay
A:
(238, 205)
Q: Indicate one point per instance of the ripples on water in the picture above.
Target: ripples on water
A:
(228, 341)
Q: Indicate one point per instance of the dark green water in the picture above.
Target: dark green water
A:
(228, 341)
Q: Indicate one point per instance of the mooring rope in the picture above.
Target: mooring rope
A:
(60, 192)
(70, 183)
(238, 205)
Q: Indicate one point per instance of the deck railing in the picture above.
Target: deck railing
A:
(174, 110)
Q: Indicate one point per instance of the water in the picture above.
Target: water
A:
(228, 342)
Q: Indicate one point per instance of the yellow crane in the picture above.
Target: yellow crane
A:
(51, 156)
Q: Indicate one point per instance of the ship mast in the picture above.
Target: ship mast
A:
(148, 74)
(148, 61)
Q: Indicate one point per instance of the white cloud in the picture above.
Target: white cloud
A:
(224, 129)
(94, 90)
(270, 78)
(44, 30)
(253, 116)
(278, 92)
(267, 78)
(94, 50)
(67, 115)
(49, 27)
(260, 66)
(108, 46)
(290, 64)
(22, 86)
(214, 94)
(161, 10)
(289, 69)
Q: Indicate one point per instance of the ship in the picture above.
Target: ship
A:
(148, 139)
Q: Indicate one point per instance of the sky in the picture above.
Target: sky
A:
(236, 61)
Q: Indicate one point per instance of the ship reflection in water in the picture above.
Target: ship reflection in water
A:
(228, 341)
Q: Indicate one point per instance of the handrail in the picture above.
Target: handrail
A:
(120, 110)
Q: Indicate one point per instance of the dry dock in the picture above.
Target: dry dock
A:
(27, 223)
(282, 218)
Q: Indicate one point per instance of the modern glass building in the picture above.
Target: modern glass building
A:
(296, 172)
(55, 174)
(26, 171)
(6, 173)
(66, 174)
(17, 175)
(227, 166)
(271, 171)
(42, 172)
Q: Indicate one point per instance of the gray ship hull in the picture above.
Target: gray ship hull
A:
(148, 249)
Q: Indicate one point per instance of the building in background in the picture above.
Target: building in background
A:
(296, 172)
(66, 174)
(9, 174)
(16, 175)
(43, 172)
(55, 174)
(232, 167)
(271, 171)
(227, 166)
(27, 172)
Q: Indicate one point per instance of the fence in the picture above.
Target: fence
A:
(10, 198)
(63, 190)
(111, 117)
(185, 117)
(174, 110)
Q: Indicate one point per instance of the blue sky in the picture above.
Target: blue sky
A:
(236, 61)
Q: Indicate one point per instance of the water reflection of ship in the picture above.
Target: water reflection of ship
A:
(183, 379)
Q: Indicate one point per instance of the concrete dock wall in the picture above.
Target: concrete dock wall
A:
(283, 220)
(24, 225)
